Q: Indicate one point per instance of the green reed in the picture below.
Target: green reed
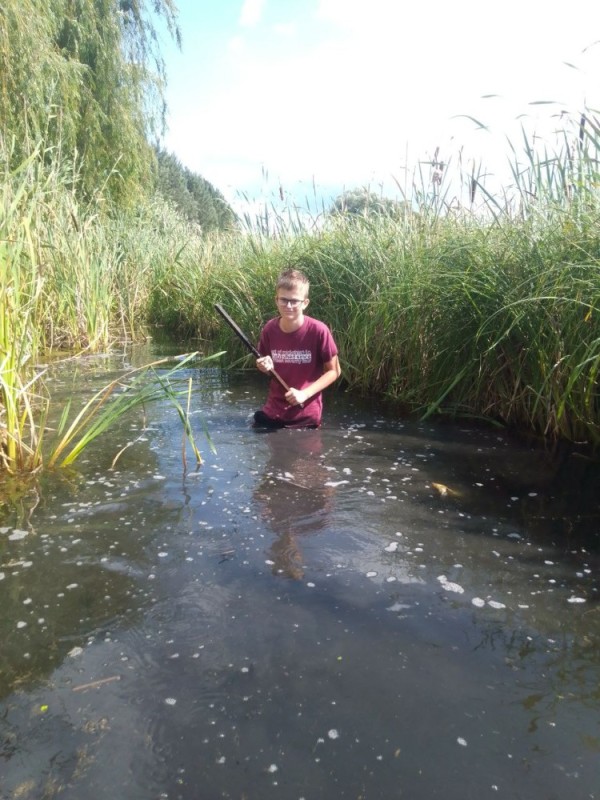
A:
(466, 303)
(136, 389)
(492, 315)
(21, 286)
(74, 278)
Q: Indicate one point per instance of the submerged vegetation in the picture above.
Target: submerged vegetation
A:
(456, 300)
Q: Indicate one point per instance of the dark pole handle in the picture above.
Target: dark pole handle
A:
(243, 338)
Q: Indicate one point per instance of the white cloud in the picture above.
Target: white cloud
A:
(363, 17)
(251, 13)
(235, 44)
(378, 86)
(285, 28)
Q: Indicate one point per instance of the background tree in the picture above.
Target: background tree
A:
(86, 78)
(194, 196)
(364, 202)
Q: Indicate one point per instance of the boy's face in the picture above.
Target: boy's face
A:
(291, 302)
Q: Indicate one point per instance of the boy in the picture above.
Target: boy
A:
(302, 351)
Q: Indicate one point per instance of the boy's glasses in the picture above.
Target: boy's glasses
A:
(289, 301)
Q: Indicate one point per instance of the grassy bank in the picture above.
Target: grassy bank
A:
(437, 309)
(440, 316)
(486, 311)
(74, 277)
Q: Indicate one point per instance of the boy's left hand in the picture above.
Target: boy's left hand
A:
(296, 397)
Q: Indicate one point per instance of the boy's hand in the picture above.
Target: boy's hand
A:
(296, 397)
(265, 364)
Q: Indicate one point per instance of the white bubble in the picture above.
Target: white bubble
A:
(170, 701)
(462, 742)
(449, 586)
(333, 734)
(576, 600)
(397, 606)
(477, 601)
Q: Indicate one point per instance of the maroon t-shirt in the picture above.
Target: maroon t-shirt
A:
(299, 358)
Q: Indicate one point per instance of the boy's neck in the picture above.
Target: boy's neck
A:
(291, 325)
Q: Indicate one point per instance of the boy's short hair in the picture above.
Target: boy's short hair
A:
(290, 278)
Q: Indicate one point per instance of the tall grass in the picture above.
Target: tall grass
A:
(137, 388)
(20, 300)
(487, 306)
(72, 278)
(491, 315)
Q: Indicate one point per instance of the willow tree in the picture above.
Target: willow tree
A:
(85, 78)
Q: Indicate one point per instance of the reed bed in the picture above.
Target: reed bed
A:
(493, 316)
(440, 309)
(74, 278)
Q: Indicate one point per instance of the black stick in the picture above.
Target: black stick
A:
(243, 338)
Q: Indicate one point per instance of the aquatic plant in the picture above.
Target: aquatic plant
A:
(20, 293)
(439, 306)
(441, 310)
(70, 278)
(135, 389)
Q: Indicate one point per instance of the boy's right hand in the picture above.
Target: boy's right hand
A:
(265, 364)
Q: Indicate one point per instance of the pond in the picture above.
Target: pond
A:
(382, 608)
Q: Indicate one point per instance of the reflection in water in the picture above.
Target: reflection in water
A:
(440, 644)
(293, 496)
(65, 579)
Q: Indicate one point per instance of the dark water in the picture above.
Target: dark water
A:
(305, 616)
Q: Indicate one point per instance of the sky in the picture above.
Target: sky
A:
(306, 98)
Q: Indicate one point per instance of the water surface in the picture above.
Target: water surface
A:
(378, 609)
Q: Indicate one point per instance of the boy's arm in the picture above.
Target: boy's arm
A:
(331, 372)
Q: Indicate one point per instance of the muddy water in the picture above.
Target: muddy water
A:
(375, 610)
